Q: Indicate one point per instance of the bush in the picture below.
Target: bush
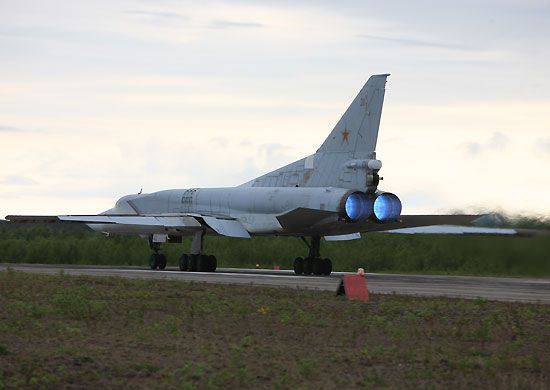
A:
(377, 252)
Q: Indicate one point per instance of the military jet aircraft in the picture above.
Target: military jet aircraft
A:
(332, 193)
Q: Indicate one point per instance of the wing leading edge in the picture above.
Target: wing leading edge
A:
(169, 221)
(225, 227)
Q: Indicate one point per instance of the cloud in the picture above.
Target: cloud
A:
(415, 42)
(157, 14)
(122, 72)
(10, 129)
(274, 151)
(498, 141)
(543, 145)
(473, 148)
(15, 180)
(158, 19)
(418, 199)
(220, 142)
(225, 24)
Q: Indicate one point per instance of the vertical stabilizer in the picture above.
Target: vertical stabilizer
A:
(357, 130)
(347, 158)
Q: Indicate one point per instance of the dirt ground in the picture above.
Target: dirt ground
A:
(61, 331)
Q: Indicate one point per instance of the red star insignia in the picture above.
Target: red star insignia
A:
(345, 135)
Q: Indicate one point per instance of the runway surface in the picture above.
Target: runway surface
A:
(492, 288)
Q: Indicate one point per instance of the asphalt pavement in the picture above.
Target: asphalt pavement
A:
(533, 290)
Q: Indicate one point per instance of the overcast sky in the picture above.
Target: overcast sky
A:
(101, 98)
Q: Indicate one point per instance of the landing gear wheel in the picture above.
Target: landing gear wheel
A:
(202, 263)
(318, 266)
(327, 267)
(161, 261)
(194, 263)
(153, 261)
(207, 263)
(299, 266)
(308, 266)
(184, 262)
(212, 263)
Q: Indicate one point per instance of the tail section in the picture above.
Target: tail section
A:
(347, 158)
(357, 131)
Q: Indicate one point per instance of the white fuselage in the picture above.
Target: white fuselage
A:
(257, 208)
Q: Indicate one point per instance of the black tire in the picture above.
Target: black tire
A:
(203, 263)
(299, 266)
(184, 262)
(153, 261)
(308, 266)
(318, 266)
(327, 267)
(212, 263)
(194, 263)
(161, 261)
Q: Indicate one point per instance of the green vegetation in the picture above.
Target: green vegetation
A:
(64, 331)
(377, 252)
(500, 219)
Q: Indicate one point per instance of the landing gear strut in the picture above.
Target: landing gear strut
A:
(197, 261)
(313, 263)
(157, 259)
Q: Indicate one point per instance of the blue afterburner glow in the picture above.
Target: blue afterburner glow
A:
(357, 206)
(387, 207)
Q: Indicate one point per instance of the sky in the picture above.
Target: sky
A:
(101, 99)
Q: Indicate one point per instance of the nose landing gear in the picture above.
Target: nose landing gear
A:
(313, 264)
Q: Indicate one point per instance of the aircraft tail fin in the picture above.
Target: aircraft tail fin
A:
(347, 158)
(357, 130)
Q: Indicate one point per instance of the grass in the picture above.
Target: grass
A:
(65, 331)
(377, 252)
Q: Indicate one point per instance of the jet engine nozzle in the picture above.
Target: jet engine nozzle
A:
(357, 206)
(387, 207)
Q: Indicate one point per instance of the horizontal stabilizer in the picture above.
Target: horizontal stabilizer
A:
(449, 229)
(343, 237)
(227, 227)
(409, 221)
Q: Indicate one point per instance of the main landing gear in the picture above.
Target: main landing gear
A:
(194, 262)
(197, 261)
(200, 263)
(313, 264)
(157, 259)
